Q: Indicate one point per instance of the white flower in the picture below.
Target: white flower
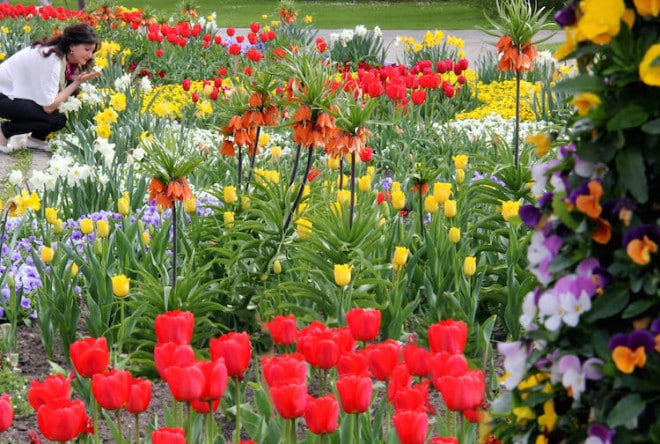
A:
(123, 83)
(97, 68)
(16, 177)
(551, 310)
(138, 154)
(515, 358)
(145, 84)
(377, 32)
(72, 104)
(528, 311)
(102, 178)
(360, 30)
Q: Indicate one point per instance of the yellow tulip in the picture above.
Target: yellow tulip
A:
(120, 285)
(245, 202)
(454, 235)
(460, 176)
(441, 191)
(229, 195)
(277, 266)
(460, 161)
(190, 205)
(399, 258)
(276, 152)
(123, 205)
(58, 226)
(86, 226)
(395, 187)
(364, 183)
(146, 237)
(510, 209)
(333, 162)
(303, 227)
(342, 274)
(74, 270)
(343, 197)
(228, 217)
(51, 215)
(430, 204)
(371, 170)
(102, 228)
(450, 208)
(47, 254)
(398, 200)
(470, 265)
(264, 138)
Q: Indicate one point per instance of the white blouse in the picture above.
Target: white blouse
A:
(29, 75)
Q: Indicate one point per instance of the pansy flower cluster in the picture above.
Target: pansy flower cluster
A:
(586, 369)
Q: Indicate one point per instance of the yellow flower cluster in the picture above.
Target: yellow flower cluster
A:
(432, 39)
(262, 175)
(17, 205)
(500, 98)
(168, 101)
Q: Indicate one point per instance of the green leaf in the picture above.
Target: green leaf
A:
(637, 308)
(652, 127)
(580, 83)
(562, 212)
(626, 410)
(630, 166)
(608, 304)
(628, 117)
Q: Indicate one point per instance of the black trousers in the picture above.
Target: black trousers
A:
(25, 116)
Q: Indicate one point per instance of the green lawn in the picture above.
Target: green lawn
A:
(424, 15)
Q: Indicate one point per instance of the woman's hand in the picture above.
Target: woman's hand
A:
(85, 76)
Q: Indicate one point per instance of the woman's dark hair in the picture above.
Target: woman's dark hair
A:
(81, 33)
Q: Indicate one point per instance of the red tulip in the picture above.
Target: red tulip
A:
(285, 369)
(344, 340)
(366, 154)
(355, 392)
(413, 398)
(6, 412)
(353, 363)
(320, 349)
(383, 358)
(444, 440)
(417, 359)
(195, 97)
(364, 324)
(185, 84)
(283, 329)
(111, 389)
(62, 420)
(418, 96)
(400, 379)
(159, 53)
(139, 395)
(90, 356)
(321, 44)
(235, 348)
(254, 27)
(171, 353)
(186, 382)
(289, 399)
(411, 426)
(446, 364)
(205, 407)
(215, 379)
(175, 326)
(54, 387)
(465, 392)
(231, 32)
(321, 414)
(168, 435)
(449, 336)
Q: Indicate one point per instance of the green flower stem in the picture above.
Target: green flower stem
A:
(421, 211)
(296, 162)
(190, 424)
(350, 220)
(119, 425)
(300, 190)
(293, 435)
(174, 242)
(239, 167)
(237, 399)
(95, 419)
(253, 156)
(137, 428)
(516, 135)
(209, 425)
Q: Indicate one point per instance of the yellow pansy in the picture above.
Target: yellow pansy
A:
(649, 68)
(524, 414)
(647, 8)
(549, 418)
(601, 20)
(542, 141)
(584, 102)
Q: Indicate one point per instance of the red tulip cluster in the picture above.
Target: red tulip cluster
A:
(6, 413)
(442, 366)
(398, 82)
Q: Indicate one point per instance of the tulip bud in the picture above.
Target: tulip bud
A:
(342, 274)
(470, 265)
(364, 183)
(460, 176)
(430, 204)
(58, 226)
(454, 235)
(86, 226)
(303, 227)
(190, 205)
(228, 217)
(450, 208)
(398, 200)
(229, 194)
(276, 152)
(51, 215)
(441, 191)
(245, 202)
(277, 266)
(102, 228)
(74, 270)
(123, 205)
(47, 254)
(399, 258)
